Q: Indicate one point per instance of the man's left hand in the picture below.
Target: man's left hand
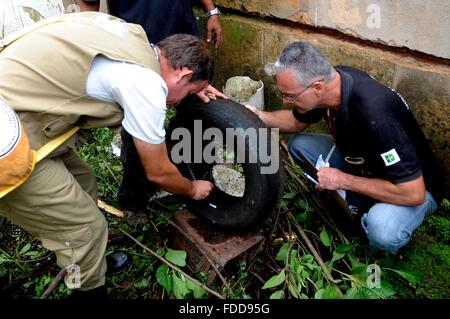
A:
(329, 179)
(210, 93)
(214, 30)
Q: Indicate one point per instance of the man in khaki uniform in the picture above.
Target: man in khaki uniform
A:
(93, 70)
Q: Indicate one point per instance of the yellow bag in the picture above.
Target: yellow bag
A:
(17, 159)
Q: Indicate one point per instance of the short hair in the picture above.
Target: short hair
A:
(307, 62)
(185, 50)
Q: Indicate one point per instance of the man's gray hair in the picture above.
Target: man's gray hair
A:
(307, 62)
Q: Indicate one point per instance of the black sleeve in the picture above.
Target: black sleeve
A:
(396, 153)
(312, 116)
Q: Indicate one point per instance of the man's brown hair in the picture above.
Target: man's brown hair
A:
(185, 50)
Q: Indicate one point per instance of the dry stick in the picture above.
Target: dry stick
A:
(119, 213)
(299, 182)
(172, 266)
(203, 252)
(318, 258)
(54, 283)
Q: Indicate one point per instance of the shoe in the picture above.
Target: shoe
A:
(135, 218)
(117, 262)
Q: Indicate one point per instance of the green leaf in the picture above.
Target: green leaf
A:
(196, 289)
(330, 293)
(413, 277)
(141, 283)
(177, 257)
(337, 256)
(164, 278)
(282, 253)
(180, 289)
(289, 195)
(325, 238)
(386, 289)
(25, 249)
(293, 289)
(277, 295)
(275, 280)
(319, 294)
(343, 248)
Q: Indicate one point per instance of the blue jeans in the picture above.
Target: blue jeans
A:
(388, 227)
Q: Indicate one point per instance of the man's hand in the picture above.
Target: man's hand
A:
(210, 93)
(329, 179)
(214, 30)
(254, 109)
(201, 189)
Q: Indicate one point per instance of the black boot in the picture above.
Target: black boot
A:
(117, 262)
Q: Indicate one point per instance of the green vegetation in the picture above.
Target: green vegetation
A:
(310, 251)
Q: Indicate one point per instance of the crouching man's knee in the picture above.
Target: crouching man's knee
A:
(383, 232)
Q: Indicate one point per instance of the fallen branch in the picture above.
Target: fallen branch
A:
(151, 252)
(317, 257)
(55, 282)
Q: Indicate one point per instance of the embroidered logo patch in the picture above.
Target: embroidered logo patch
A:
(11, 130)
(391, 157)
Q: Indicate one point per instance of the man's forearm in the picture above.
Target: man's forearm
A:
(172, 181)
(282, 119)
(207, 5)
(410, 193)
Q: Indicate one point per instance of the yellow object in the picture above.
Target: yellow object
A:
(109, 209)
(36, 157)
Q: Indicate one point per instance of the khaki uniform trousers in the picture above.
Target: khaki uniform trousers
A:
(58, 205)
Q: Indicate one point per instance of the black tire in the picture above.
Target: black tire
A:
(262, 191)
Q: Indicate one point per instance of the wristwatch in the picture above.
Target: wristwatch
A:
(212, 12)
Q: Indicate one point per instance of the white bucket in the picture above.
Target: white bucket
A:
(244, 90)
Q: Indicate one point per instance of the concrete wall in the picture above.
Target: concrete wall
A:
(250, 43)
(421, 25)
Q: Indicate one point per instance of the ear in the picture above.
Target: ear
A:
(318, 87)
(184, 74)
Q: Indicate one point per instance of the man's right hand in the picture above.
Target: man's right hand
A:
(254, 109)
(201, 189)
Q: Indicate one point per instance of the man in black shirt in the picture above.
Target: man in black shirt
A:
(376, 156)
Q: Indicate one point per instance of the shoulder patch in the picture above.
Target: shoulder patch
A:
(11, 129)
(390, 157)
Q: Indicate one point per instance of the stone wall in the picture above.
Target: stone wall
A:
(251, 42)
(421, 25)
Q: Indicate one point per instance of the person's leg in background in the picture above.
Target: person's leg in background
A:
(52, 206)
(311, 145)
(389, 227)
(135, 189)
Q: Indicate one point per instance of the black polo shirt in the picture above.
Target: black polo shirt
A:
(159, 18)
(377, 134)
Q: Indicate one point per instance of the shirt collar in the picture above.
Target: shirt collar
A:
(155, 51)
(346, 91)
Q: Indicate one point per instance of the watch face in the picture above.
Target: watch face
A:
(11, 129)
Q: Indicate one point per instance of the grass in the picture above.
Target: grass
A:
(285, 265)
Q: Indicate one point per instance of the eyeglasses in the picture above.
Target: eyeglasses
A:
(291, 97)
